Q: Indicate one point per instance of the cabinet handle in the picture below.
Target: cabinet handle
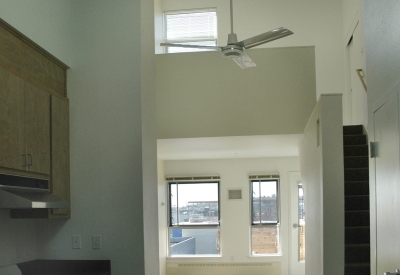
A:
(24, 161)
(29, 158)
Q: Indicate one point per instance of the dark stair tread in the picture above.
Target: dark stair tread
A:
(354, 140)
(353, 130)
(356, 162)
(356, 188)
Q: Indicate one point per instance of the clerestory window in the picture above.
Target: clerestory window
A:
(192, 27)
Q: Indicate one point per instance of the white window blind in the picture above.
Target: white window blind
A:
(197, 27)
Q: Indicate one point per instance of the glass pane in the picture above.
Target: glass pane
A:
(198, 203)
(264, 240)
(265, 207)
(269, 209)
(302, 224)
(194, 241)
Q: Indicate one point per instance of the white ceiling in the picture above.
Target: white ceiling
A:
(228, 147)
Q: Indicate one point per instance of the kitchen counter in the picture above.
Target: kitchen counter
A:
(66, 267)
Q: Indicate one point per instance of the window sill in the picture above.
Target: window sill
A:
(266, 255)
(204, 256)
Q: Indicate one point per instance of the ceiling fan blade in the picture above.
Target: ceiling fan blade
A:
(264, 38)
(244, 61)
(190, 46)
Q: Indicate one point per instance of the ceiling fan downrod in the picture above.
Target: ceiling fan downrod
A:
(232, 37)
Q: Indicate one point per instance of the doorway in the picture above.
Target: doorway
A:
(387, 185)
(297, 225)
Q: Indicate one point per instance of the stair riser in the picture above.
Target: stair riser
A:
(356, 203)
(357, 254)
(357, 218)
(356, 162)
(355, 150)
(357, 235)
(355, 140)
(353, 130)
(356, 174)
(357, 270)
(356, 188)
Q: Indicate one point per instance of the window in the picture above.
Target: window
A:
(192, 27)
(193, 218)
(265, 215)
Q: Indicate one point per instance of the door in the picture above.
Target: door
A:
(37, 129)
(297, 226)
(387, 180)
(356, 98)
(12, 145)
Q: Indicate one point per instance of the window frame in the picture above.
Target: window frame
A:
(171, 226)
(192, 39)
(276, 224)
(277, 202)
(170, 216)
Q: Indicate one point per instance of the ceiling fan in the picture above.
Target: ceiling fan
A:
(235, 49)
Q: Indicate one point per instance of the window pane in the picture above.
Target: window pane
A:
(191, 25)
(302, 227)
(264, 240)
(269, 210)
(264, 202)
(194, 204)
(194, 241)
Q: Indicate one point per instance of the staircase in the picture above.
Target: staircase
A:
(356, 178)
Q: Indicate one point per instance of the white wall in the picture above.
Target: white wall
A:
(204, 95)
(149, 138)
(383, 67)
(314, 23)
(162, 217)
(235, 223)
(104, 88)
(48, 24)
(321, 163)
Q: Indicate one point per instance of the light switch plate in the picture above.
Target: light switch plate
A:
(96, 242)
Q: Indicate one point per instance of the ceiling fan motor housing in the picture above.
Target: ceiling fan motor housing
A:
(232, 51)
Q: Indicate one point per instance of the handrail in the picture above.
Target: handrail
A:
(361, 76)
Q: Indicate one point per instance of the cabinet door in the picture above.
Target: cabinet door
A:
(60, 168)
(37, 129)
(12, 149)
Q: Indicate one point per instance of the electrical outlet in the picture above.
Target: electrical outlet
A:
(96, 242)
(76, 242)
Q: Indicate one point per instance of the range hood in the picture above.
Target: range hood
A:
(18, 192)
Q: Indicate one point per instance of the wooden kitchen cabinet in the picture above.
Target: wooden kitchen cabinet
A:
(34, 117)
(60, 169)
(24, 125)
(11, 121)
